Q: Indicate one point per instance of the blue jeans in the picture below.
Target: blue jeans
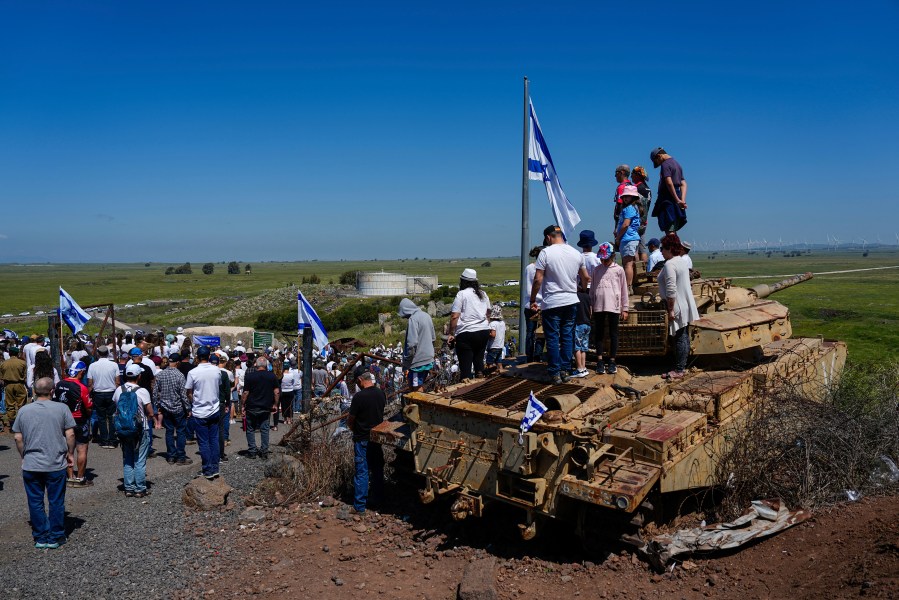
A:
(134, 462)
(369, 477)
(533, 347)
(175, 434)
(681, 348)
(558, 328)
(44, 530)
(207, 431)
(260, 423)
(104, 411)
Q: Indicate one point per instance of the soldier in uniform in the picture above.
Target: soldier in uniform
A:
(12, 372)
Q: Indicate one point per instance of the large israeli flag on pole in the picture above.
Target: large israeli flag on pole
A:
(532, 414)
(308, 318)
(541, 168)
(69, 311)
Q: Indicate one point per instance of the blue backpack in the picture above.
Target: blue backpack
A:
(129, 424)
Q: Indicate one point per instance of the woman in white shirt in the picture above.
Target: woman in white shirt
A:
(675, 289)
(288, 391)
(469, 329)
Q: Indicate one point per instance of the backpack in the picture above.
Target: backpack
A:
(127, 421)
(68, 393)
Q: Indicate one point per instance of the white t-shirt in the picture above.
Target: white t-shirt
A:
(143, 399)
(560, 264)
(180, 339)
(29, 351)
(126, 348)
(145, 361)
(529, 272)
(473, 311)
(239, 374)
(500, 340)
(289, 381)
(591, 261)
(76, 356)
(103, 374)
(687, 260)
(29, 376)
(240, 349)
(204, 380)
(654, 258)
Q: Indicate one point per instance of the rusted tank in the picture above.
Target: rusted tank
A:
(609, 447)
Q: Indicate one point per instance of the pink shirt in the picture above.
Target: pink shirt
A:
(608, 289)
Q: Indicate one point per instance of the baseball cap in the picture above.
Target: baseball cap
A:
(552, 230)
(175, 357)
(214, 359)
(654, 242)
(605, 251)
(133, 370)
(135, 351)
(203, 352)
(76, 368)
(655, 152)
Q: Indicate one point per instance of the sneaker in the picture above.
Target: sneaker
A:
(171, 461)
(71, 480)
(142, 494)
(40, 545)
(190, 441)
(223, 457)
(82, 482)
(564, 376)
(211, 477)
(129, 494)
(672, 375)
(611, 368)
(251, 455)
(556, 380)
(51, 545)
(227, 442)
(600, 369)
(185, 461)
(580, 373)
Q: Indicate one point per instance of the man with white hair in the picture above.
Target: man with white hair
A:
(366, 411)
(261, 395)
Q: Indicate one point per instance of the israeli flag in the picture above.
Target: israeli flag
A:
(532, 414)
(541, 168)
(69, 311)
(308, 318)
(10, 334)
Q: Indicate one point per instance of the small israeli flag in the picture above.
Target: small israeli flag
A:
(308, 318)
(532, 414)
(69, 311)
(541, 168)
(10, 334)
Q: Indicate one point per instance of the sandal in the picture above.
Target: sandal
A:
(142, 494)
(129, 494)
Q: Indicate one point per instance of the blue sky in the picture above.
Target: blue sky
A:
(172, 131)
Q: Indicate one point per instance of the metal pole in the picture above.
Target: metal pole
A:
(525, 233)
(307, 369)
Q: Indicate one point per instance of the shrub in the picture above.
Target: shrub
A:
(208, 269)
(170, 270)
(486, 264)
(183, 269)
(233, 268)
(247, 269)
(348, 278)
(312, 279)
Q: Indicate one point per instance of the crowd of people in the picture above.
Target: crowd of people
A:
(116, 394)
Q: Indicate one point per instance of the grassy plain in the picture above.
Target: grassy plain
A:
(861, 308)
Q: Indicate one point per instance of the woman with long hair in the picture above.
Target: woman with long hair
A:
(469, 328)
(639, 177)
(42, 367)
(676, 291)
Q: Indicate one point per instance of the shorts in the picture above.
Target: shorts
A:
(493, 356)
(581, 338)
(629, 248)
(641, 248)
(83, 433)
(417, 378)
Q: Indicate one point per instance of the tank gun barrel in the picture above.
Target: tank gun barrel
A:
(764, 290)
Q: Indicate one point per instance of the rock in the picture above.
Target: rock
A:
(252, 516)
(360, 528)
(478, 580)
(202, 494)
(344, 541)
(284, 465)
(343, 514)
(567, 578)
(328, 502)
(405, 554)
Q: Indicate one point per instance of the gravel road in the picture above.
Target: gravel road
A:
(118, 547)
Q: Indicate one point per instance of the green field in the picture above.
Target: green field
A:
(860, 308)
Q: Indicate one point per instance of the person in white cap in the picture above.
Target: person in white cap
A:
(239, 347)
(468, 326)
(180, 337)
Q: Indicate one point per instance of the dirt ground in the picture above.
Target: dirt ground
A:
(411, 551)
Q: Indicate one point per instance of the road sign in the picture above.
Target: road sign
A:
(263, 340)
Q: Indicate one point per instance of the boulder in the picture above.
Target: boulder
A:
(285, 466)
(202, 494)
(252, 516)
(478, 580)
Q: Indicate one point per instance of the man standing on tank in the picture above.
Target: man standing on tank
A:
(366, 411)
(557, 269)
(671, 201)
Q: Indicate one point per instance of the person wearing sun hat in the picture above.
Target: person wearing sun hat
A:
(468, 326)
(609, 303)
(627, 236)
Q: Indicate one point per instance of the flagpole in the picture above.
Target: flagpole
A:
(525, 233)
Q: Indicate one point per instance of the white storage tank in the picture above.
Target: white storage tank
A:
(421, 284)
(381, 284)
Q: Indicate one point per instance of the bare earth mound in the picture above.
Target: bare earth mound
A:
(323, 552)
